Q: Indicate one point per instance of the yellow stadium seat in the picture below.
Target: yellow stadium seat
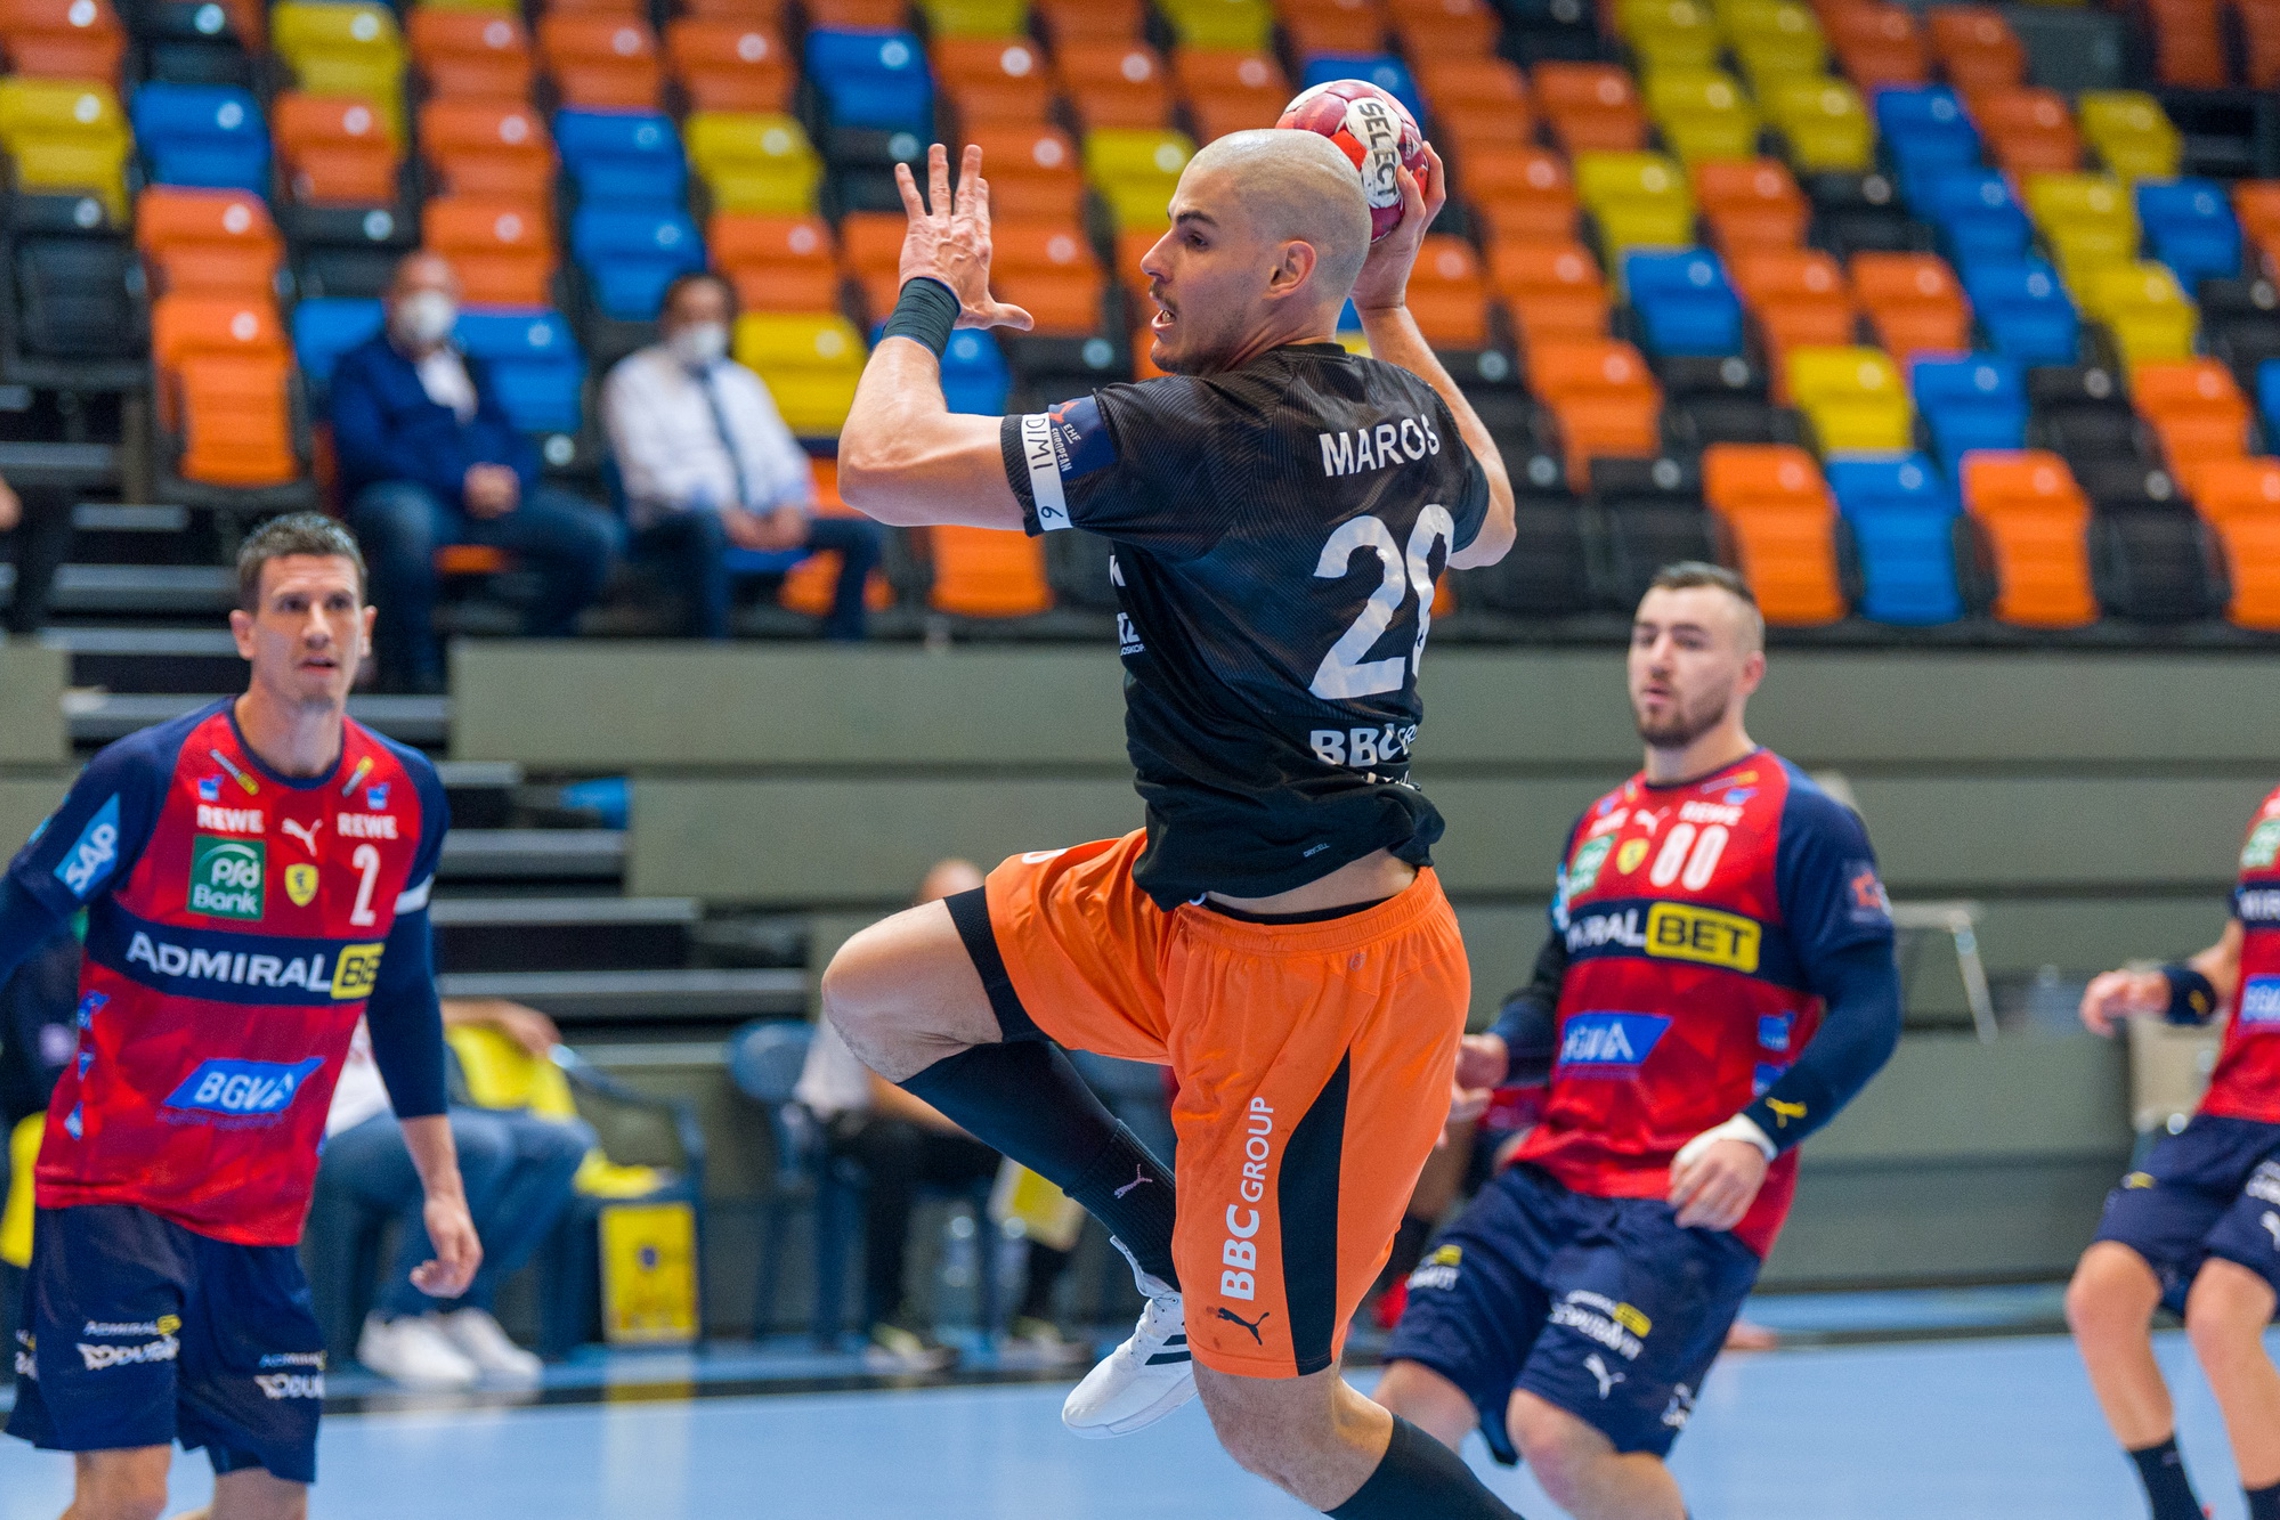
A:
(975, 18)
(16, 1217)
(2131, 132)
(1703, 113)
(1826, 126)
(2087, 219)
(66, 135)
(342, 49)
(2143, 306)
(1134, 169)
(753, 161)
(497, 7)
(1640, 200)
(1775, 40)
(1670, 34)
(502, 1075)
(811, 361)
(1244, 26)
(1852, 396)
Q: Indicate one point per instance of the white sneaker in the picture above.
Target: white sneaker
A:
(480, 1338)
(1144, 1379)
(414, 1351)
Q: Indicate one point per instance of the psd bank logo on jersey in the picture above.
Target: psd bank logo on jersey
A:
(2260, 1001)
(245, 1090)
(1609, 1044)
(227, 876)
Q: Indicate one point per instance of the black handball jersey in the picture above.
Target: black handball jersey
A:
(1278, 530)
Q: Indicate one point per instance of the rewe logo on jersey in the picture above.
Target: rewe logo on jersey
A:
(243, 1089)
(1609, 1044)
(226, 876)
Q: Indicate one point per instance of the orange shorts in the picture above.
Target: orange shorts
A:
(1313, 1060)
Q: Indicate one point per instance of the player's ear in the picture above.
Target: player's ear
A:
(1753, 672)
(241, 630)
(1294, 264)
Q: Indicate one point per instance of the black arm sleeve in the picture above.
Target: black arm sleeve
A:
(406, 1020)
(26, 923)
(1861, 986)
(1528, 1023)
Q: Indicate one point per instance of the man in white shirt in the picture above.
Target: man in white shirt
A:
(709, 466)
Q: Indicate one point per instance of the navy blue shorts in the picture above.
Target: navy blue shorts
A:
(138, 1332)
(1601, 1306)
(2212, 1189)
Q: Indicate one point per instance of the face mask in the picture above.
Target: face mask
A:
(700, 345)
(425, 317)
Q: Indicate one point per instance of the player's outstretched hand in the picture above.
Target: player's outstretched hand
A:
(2116, 995)
(458, 1251)
(1714, 1188)
(1384, 281)
(951, 242)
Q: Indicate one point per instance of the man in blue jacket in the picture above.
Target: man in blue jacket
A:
(428, 458)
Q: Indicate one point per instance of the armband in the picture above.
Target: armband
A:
(926, 313)
(2192, 998)
(1740, 1127)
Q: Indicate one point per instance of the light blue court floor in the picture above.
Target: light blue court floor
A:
(2001, 1428)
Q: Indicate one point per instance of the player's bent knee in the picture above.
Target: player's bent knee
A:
(1427, 1400)
(2227, 1311)
(1561, 1449)
(2113, 1290)
(120, 1486)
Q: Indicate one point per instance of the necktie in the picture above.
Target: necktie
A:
(703, 377)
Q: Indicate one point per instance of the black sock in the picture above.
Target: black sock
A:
(1420, 1479)
(2167, 1490)
(1023, 1098)
(2263, 1503)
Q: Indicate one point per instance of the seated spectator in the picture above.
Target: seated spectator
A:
(901, 1142)
(428, 459)
(517, 1168)
(708, 464)
(38, 526)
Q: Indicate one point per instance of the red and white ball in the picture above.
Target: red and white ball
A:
(1373, 129)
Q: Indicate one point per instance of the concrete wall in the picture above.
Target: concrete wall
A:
(31, 705)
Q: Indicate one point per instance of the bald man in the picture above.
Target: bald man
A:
(1280, 511)
(428, 457)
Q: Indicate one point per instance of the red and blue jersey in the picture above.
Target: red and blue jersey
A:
(1695, 920)
(237, 923)
(2246, 1082)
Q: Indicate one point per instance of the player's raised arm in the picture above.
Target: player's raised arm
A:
(1381, 297)
(2183, 992)
(905, 459)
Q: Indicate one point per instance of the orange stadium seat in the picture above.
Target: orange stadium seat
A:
(501, 250)
(1798, 296)
(859, 15)
(1750, 204)
(1068, 21)
(489, 148)
(1976, 47)
(1604, 397)
(1049, 269)
(729, 65)
(2196, 409)
(2260, 32)
(2240, 500)
(1877, 46)
(1448, 295)
(992, 80)
(2036, 521)
(1590, 106)
(776, 263)
(219, 244)
(767, 13)
(337, 150)
(1914, 303)
(1553, 291)
(870, 251)
(1229, 91)
(602, 61)
(223, 370)
(1033, 172)
(2027, 131)
(1519, 194)
(63, 39)
(1476, 102)
(808, 585)
(987, 573)
(1115, 84)
(2257, 204)
(1333, 26)
(1782, 521)
(2188, 43)
(471, 55)
(1457, 29)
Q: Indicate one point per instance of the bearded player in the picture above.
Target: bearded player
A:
(255, 877)
(1279, 510)
(1718, 983)
(2198, 1229)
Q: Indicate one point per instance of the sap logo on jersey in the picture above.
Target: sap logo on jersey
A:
(1379, 447)
(243, 1089)
(94, 853)
(1609, 1044)
(367, 825)
(2260, 1000)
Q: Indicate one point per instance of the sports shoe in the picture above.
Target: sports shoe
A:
(481, 1340)
(1034, 1341)
(899, 1348)
(1144, 1379)
(414, 1351)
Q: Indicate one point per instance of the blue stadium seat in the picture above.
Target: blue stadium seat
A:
(325, 327)
(1975, 211)
(1902, 517)
(1684, 304)
(2268, 396)
(1388, 73)
(206, 135)
(1925, 130)
(624, 157)
(872, 79)
(2024, 310)
(2189, 226)
(974, 373)
(533, 363)
(631, 253)
(1974, 403)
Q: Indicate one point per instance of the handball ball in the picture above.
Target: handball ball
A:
(1373, 129)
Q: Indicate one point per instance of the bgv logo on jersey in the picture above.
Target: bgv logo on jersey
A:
(243, 1089)
(2260, 1000)
(227, 876)
(1609, 1044)
(94, 853)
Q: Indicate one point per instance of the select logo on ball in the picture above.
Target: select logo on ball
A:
(1371, 128)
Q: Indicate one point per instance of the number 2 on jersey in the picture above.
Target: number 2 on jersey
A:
(1344, 673)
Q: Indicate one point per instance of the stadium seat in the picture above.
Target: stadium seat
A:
(1115, 85)
(2081, 413)
(1032, 171)
(997, 19)
(1878, 46)
(63, 39)
(2256, 204)
(1852, 396)
(489, 148)
(337, 150)
(1925, 131)
(754, 162)
(870, 246)
(342, 47)
(1782, 525)
(533, 363)
(324, 328)
(871, 79)
(1683, 302)
(1711, 401)
(1476, 100)
(987, 573)
(1798, 296)
(1603, 396)
(2190, 227)
(1750, 204)
(1650, 514)
(729, 65)
(218, 243)
(1639, 200)
(222, 370)
(2036, 523)
(1229, 91)
(811, 362)
(2188, 43)
(1457, 30)
(776, 263)
(1976, 47)
(622, 157)
(991, 80)
(1669, 34)
(2087, 219)
(1775, 41)
(74, 303)
(2143, 309)
(1547, 574)
(1384, 70)
(858, 15)
(2027, 131)
(2024, 311)
(210, 135)
(1518, 193)
(1913, 302)
(503, 253)
(1823, 125)
(2260, 34)
(1979, 222)
(1049, 269)
(2240, 500)
(1902, 516)
(64, 135)
(974, 374)
(1246, 25)
(1135, 170)
(1553, 291)
(2131, 133)
(1972, 403)
(602, 62)
(2196, 410)
(1591, 107)
(1065, 21)
(1333, 26)
(1702, 113)
(1448, 294)
(630, 253)
(471, 54)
